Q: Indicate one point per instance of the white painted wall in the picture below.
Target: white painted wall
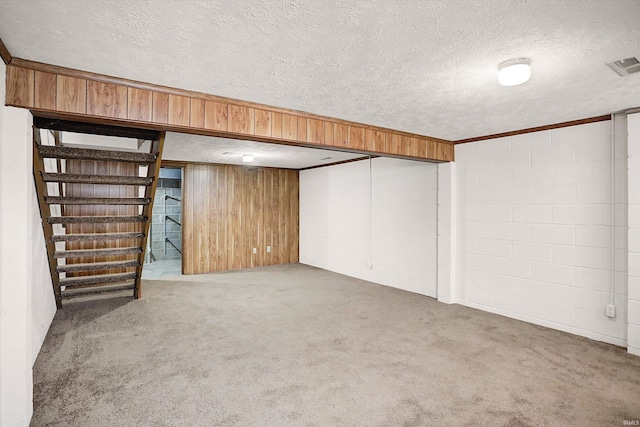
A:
(335, 228)
(26, 299)
(533, 229)
(634, 234)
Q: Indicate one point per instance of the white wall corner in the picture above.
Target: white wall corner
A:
(633, 236)
(447, 292)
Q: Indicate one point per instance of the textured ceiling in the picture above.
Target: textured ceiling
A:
(428, 67)
(196, 148)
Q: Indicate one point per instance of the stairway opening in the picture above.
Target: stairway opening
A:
(164, 247)
(95, 187)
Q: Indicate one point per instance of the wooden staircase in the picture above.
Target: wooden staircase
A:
(96, 239)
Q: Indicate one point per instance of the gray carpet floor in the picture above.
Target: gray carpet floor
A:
(295, 345)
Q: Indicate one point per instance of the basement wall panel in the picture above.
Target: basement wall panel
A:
(534, 229)
(230, 210)
(339, 232)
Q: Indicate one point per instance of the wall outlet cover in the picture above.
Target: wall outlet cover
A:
(610, 310)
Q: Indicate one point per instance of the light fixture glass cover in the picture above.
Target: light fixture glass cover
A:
(514, 72)
(247, 158)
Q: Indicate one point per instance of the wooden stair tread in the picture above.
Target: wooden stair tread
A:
(79, 253)
(97, 179)
(92, 266)
(97, 279)
(61, 200)
(58, 152)
(95, 219)
(81, 291)
(96, 236)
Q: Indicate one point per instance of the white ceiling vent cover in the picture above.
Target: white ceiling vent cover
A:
(626, 66)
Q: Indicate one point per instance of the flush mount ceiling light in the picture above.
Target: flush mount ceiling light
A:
(514, 72)
(247, 158)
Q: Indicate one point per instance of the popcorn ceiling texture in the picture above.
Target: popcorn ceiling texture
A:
(424, 67)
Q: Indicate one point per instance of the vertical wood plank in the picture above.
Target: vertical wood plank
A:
(379, 142)
(393, 143)
(431, 149)
(45, 90)
(212, 213)
(160, 107)
(328, 133)
(241, 119)
(421, 147)
(107, 100)
(302, 129)
(216, 116)
(356, 138)
(179, 110)
(289, 127)
(340, 135)
(407, 146)
(276, 125)
(196, 119)
(19, 87)
(262, 122)
(139, 104)
(71, 95)
(223, 224)
(315, 131)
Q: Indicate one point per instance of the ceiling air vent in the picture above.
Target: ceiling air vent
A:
(626, 66)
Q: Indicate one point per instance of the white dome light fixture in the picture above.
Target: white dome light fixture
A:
(514, 72)
(247, 158)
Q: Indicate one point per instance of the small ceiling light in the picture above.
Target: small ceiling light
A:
(514, 72)
(248, 158)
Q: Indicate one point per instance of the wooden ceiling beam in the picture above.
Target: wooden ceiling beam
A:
(64, 93)
(4, 53)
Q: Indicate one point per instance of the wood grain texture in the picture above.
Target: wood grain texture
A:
(106, 100)
(197, 113)
(216, 116)
(160, 111)
(315, 131)
(20, 87)
(140, 104)
(95, 98)
(276, 125)
(328, 133)
(4, 53)
(289, 127)
(302, 129)
(229, 210)
(263, 122)
(45, 90)
(356, 138)
(179, 110)
(241, 119)
(535, 129)
(71, 95)
(340, 135)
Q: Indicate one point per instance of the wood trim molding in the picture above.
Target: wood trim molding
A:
(537, 129)
(4, 53)
(57, 92)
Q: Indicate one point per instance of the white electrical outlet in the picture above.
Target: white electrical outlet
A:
(268, 248)
(610, 311)
(255, 250)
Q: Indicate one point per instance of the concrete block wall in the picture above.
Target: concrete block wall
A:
(162, 207)
(533, 229)
(634, 234)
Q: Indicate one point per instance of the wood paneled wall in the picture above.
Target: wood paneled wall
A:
(88, 167)
(72, 94)
(229, 210)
